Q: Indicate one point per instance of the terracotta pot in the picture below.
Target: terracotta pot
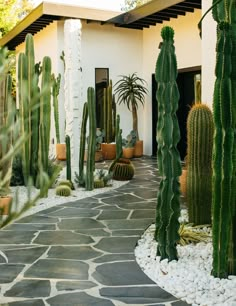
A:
(98, 156)
(183, 183)
(61, 151)
(128, 152)
(5, 204)
(138, 148)
(108, 150)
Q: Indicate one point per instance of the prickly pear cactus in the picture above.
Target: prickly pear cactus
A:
(168, 135)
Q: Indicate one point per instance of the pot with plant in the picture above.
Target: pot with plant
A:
(60, 147)
(131, 91)
(108, 125)
(128, 145)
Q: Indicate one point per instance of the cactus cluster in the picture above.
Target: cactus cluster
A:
(199, 157)
(168, 135)
(109, 114)
(5, 120)
(35, 111)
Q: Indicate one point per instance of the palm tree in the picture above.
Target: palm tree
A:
(131, 90)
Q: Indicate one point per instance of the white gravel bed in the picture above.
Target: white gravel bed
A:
(189, 278)
(54, 200)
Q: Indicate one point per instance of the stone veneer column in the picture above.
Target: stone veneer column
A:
(73, 85)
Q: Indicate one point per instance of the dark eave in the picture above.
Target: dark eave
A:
(153, 12)
(47, 12)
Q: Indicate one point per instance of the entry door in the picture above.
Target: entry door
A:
(187, 85)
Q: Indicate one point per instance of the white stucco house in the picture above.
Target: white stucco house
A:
(100, 43)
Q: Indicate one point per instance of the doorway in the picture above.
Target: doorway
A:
(189, 84)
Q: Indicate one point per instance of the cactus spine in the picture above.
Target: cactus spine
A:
(55, 92)
(82, 143)
(89, 184)
(68, 159)
(199, 157)
(109, 110)
(168, 135)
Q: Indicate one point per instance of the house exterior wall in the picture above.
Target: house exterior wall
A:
(208, 54)
(188, 53)
(120, 50)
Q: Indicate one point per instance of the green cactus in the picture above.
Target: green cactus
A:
(45, 113)
(224, 141)
(68, 159)
(55, 92)
(81, 175)
(35, 109)
(5, 142)
(63, 191)
(168, 135)
(66, 183)
(89, 183)
(118, 138)
(199, 157)
(99, 183)
(123, 170)
(109, 112)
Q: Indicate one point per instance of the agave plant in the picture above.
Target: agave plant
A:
(131, 91)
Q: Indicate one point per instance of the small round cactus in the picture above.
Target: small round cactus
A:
(123, 170)
(63, 191)
(65, 183)
(99, 184)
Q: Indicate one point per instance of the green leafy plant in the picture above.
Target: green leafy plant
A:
(131, 91)
(130, 140)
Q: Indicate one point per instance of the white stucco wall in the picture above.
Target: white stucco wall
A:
(188, 53)
(208, 54)
(120, 50)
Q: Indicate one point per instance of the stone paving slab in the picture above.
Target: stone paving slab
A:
(82, 252)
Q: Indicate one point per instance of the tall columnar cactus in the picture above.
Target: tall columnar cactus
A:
(5, 142)
(199, 157)
(168, 135)
(45, 113)
(68, 159)
(55, 92)
(109, 111)
(223, 105)
(34, 111)
(89, 183)
(83, 143)
(118, 138)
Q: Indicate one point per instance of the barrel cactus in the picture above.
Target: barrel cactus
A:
(168, 135)
(63, 191)
(199, 157)
(123, 170)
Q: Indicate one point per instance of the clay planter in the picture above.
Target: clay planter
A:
(183, 183)
(138, 148)
(108, 150)
(128, 153)
(61, 151)
(98, 156)
(5, 203)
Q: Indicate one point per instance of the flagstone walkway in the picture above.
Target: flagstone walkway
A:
(82, 253)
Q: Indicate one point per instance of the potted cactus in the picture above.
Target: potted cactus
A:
(131, 90)
(60, 147)
(109, 117)
(128, 145)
